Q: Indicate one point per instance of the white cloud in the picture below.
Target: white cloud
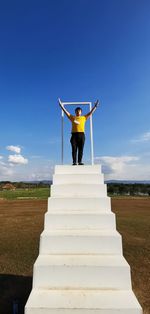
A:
(17, 159)
(41, 173)
(2, 163)
(145, 137)
(124, 168)
(15, 149)
(116, 163)
(13, 169)
(5, 173)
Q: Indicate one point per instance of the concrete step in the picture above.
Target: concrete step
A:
(83, 178)
(82, 302)
(81, 272)
(100, 204)
(80, 242)
(69, 169)
(77, 220)
(78, 190)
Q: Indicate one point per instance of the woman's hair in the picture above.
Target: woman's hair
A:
(78, 108)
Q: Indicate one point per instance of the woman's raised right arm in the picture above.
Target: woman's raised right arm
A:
(63, 108)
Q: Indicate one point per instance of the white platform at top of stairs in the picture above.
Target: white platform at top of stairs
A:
(69, 169)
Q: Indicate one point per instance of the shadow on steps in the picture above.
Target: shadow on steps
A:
(14, 292)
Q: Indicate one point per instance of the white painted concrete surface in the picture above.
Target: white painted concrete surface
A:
(80, 268)
(79, 220)
(84, 301)
(99, 204)
(75, 190)
(81, 272)
(80, 242)
(78, 178)
(86, 169)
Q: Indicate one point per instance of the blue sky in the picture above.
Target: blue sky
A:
(78, 51)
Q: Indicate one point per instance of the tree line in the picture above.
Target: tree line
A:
(26, 185)
(112, 188)
(128, 189)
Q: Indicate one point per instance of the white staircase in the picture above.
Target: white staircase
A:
(80, 268)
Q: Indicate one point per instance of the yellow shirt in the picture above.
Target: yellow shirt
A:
(78, 123)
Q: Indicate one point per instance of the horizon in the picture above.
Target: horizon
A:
(78, 51)
(105, 181)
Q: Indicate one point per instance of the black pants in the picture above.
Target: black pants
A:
(77, 142)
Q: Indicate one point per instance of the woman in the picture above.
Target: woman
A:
(78, 136)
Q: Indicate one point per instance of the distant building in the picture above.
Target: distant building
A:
(8, 186)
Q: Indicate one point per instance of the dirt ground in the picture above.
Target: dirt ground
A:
(21, 225)
(133, 223)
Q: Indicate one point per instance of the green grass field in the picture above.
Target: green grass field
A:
(37, 193)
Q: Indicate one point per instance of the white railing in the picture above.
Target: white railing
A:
(62, 128)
